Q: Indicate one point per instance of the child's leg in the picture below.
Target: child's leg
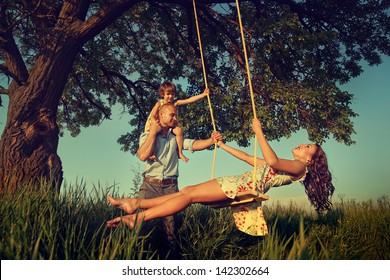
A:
(178, 131)
(205, 192)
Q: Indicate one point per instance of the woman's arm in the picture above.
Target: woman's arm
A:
(294, 168)
(193, 98)
(240, 154)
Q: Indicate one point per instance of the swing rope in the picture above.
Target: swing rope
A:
(250, 86)
(206, 85)
(253, 195)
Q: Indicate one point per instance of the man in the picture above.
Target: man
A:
(161, 173)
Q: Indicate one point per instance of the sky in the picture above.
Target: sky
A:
(359, 171)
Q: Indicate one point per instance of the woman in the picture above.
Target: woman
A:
(308, 166)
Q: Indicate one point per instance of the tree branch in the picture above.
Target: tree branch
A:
(14, 65)
(88, 96)
(214, 23)
(129, 84)
(106, 15)
(75, 9)
(4, 69)
(33, 10)
(125, 42)
(3, 91)
(43, 17)
(169, 13)
(109, 12)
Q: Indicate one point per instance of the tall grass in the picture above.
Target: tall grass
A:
(40, 224)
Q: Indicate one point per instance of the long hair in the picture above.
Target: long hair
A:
(318, 182)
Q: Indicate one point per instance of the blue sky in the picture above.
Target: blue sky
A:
(359, 171)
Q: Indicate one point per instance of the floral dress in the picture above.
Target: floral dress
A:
(249, 217)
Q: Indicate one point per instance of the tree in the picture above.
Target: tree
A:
(66, 63)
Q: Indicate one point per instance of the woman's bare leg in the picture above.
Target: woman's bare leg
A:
(130, 205)
(205, 192)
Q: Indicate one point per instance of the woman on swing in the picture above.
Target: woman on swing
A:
(308, 166)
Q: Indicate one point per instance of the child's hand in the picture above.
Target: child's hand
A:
(206, 91)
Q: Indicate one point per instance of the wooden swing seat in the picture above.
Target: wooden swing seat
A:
(241, 198)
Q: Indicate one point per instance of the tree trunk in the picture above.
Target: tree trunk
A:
(28, 146)
(28, 150)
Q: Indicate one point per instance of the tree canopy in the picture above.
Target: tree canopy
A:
(300, 52)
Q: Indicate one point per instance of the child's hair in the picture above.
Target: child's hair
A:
(166, 86)
(318, 182)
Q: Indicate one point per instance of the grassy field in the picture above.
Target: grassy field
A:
(71, 226)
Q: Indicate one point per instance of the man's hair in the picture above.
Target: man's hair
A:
(165, 106)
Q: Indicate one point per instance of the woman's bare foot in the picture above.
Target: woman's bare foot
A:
(127, 220)
(129, 205)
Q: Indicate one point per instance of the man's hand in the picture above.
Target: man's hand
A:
(155, 126)
(216, 136)
(199, 145)
(145, 151)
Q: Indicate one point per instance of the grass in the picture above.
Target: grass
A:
(39, 224)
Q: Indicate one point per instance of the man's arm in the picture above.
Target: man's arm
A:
(146, 148)
(202, 144)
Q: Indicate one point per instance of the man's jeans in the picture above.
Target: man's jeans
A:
(151, 190)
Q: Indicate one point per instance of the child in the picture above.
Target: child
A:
(167, 91)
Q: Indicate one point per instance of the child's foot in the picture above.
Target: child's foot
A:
(129, 205)
(182, 157)
(153, 158)
(127, 220)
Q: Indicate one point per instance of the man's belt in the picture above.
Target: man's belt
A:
(160, 182)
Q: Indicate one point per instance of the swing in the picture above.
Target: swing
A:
(241, 198)
(248, 196)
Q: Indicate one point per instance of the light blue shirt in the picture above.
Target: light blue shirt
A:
(167, 164)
